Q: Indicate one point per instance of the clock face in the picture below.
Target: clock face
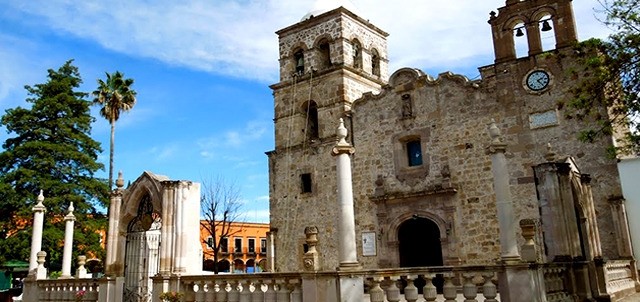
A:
(538, 80)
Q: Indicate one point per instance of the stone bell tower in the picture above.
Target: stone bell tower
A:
(526, 19)
(327, 60)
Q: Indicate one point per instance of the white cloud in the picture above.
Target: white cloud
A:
(237, 38)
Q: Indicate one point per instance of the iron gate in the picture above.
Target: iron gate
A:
(142, 258)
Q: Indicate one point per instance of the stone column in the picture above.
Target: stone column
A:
(621, 226)
(350, 287)
(111, 267)
(346, 217)
(36, 239)
(506, 219)
(518, 282)
(69, 221)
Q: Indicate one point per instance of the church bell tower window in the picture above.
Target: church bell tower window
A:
(298, 59)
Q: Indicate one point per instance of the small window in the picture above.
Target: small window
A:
(263, 245)
(252, 245)
(306, 182)
(311, 123)
(224, 245)
(375, 63)
(298, 59)
(357, 54)
(238, 246)
(414, 153)
(210, 242)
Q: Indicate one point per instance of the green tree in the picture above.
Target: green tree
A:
(115, 96)
(613, 69)
(51, 151)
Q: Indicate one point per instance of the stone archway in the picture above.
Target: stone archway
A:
(419, 243)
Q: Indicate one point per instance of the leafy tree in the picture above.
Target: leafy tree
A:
(114, 95)
(220, 204)
(51, 151)
(613, 69)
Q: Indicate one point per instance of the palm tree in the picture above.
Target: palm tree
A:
(114, 95)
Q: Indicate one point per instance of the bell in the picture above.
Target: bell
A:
(519, 32)
(546, 26)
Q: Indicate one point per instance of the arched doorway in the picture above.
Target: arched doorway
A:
(419, 243)
(419, 246)
(142, 252)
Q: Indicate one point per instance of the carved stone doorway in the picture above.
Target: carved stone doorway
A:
(419, 246)
(419, 243)
(142, 257)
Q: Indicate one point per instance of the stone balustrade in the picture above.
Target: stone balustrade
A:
(555, 282)
(476, 283)
(67, 290)
(619, 276)
(242, 287)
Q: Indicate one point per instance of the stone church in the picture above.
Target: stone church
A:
(422, 178)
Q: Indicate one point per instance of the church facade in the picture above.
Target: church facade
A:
(422, 179)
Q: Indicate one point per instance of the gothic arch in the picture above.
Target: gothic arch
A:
(148, 184)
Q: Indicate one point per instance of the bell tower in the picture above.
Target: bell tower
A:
(528, 18)
(327, 60)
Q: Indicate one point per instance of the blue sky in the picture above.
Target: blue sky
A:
(202, 70)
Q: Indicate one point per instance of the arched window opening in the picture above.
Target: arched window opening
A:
(375, 63)
(238, 266)
(224, 266)
(547, 34)
(324, 54)
(251, 266)
(521, 40)
(298, 59)
(311, 124)
(357, 54)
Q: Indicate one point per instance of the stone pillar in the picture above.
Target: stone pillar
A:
(69, 221)
(271, 250)
(506, 219)
(112, 267)
(350, 287)
(346, 219)
(36, 239)
(621, 226)
(517, 282)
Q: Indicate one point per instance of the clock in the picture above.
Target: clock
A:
(537, 80)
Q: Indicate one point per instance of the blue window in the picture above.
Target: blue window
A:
(414, 153)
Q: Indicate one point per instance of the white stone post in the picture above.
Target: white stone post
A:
(507, 222)
(346, 218)
(36, 239)
(350, 287)
(69, 221)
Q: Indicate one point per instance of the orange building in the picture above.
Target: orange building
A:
(243, 251)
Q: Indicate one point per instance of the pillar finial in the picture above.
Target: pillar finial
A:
(120, 181)
(71, 208)
(341, 132)
(40, 197)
